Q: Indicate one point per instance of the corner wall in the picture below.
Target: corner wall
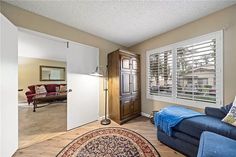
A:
(224, 19)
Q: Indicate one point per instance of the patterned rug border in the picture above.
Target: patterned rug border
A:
(104, 128)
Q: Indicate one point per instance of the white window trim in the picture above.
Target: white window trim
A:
(219, 71)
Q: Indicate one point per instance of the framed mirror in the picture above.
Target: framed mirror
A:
(51, 73)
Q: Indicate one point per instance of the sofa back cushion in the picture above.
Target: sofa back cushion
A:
(225, 109)
(51, 87)
(215, 112)
(40, 89)
(63, 88)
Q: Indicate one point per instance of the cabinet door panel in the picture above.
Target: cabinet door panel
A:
(127, 108)
(125, 63)
(135, 83)
(125, 84)
(135, 64)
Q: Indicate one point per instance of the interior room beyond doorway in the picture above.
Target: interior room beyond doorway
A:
(42, 87)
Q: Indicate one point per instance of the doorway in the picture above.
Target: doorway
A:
(42, 86)
(37, 51)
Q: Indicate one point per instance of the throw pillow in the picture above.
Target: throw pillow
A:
(40, 89)
(63, 88)
(231, 116)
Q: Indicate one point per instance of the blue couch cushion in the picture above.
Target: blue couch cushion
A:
(215, 112)
(214, 145)
(196, 125)
(226, 108)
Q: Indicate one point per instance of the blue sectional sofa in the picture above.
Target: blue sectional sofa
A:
(215, 145)
(186, 135)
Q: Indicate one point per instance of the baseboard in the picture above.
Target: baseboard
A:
(145, 114)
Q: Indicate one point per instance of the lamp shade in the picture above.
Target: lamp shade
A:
(97, 72)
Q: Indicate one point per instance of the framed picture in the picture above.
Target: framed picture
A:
(51, 73)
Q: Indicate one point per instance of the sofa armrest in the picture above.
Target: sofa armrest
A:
(29, 93)
(214, 112)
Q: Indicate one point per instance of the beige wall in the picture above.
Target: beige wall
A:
(28, 73)
(224, 19)
(28, 20)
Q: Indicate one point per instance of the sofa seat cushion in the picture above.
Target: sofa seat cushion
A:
(51, 93)
(196, 125)
(30, 95)
(214, 145)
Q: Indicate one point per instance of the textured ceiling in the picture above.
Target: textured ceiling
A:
(123, 22)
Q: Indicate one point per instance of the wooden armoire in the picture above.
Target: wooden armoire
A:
(123, 86)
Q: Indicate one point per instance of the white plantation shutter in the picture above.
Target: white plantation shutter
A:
(196, 71)
(160, 73)
(188, 73)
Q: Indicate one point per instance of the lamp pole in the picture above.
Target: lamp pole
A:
(104, 121)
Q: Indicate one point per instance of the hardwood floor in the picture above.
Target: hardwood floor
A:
(51, 147)
(45, 123)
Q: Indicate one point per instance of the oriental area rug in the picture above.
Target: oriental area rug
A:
(109, 142)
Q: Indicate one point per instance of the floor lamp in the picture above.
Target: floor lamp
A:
(102, 72)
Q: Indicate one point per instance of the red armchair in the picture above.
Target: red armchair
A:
(51, 88)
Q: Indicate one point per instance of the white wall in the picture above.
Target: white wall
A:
(37, 45)
(8, 90)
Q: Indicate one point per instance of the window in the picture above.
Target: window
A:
(161, 73)
(188, 73)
